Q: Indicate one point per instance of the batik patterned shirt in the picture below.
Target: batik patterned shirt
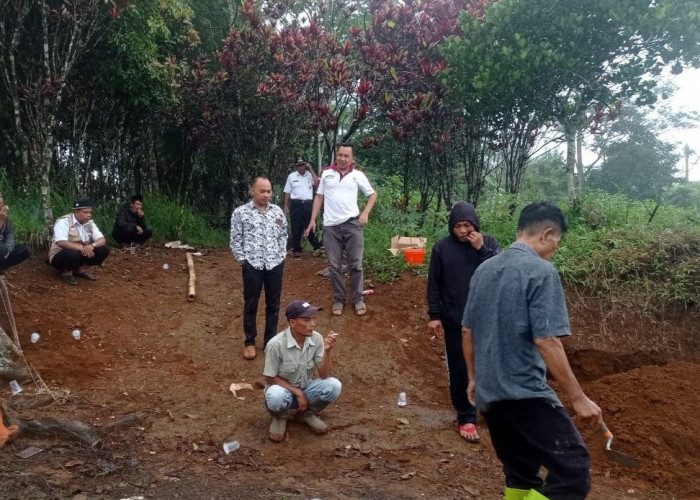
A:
(259, 237)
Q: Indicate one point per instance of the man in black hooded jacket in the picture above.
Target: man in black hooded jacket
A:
(453, 261)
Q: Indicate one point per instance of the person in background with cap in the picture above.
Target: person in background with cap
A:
(77, 243)
(290, 359)
(130, 225)
(10, 253)
(298, 199)
(259, 243)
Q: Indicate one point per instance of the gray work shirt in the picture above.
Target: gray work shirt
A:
(284, 358)
(515, 297)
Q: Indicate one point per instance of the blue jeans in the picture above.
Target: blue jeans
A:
(319, 393)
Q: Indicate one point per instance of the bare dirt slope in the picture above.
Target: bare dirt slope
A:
(145, 348)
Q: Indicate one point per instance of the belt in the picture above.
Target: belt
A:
(302, 201)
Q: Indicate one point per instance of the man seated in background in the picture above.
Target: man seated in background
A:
(290, 359)
(10, 254)
(130, 225)
(77, 243)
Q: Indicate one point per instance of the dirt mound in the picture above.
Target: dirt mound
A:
(145, 348)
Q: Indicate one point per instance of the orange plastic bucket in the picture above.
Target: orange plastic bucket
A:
(414, 256)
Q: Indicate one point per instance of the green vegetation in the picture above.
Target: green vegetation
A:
(168, 219)
(611, 249)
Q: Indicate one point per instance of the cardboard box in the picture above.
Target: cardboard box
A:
(398, 243)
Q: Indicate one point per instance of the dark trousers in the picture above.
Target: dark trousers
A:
(300, 216)
(125, 236)
(71, 260)
(18, 254)
(254, 280)
(457, 373)
(530, 433)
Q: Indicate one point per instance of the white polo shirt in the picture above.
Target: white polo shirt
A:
(62, 225)
(340, 194)
(299, 187)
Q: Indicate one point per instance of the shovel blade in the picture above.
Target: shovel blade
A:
(622, 459)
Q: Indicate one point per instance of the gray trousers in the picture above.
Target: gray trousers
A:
(347, 237)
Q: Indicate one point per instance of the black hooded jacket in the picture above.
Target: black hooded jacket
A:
(452, 265)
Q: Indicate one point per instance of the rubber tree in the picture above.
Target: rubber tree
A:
(43, 42)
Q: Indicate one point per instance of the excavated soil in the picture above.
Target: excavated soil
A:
(146, 348)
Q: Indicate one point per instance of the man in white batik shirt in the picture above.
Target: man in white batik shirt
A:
(259, 243)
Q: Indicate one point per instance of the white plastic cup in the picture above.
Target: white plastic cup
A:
(15, 387)
(166, 266)
(132, 249)
(76, 334)
(35, 337)
(402, 399)
(230, 446)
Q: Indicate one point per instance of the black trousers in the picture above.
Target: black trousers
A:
(124, 236)
(254, 280)
(18, 254)
(300, 216)
(457, 373)
(71, 260)
(530, 433)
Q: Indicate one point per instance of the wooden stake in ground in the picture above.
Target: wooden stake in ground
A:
(193, 278)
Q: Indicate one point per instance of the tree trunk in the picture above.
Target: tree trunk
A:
(571, 161)
(580, 174)
(10, 369)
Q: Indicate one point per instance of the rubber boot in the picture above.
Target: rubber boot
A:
(535, 495)
(311, 419)
(278, 427)
(514, 494)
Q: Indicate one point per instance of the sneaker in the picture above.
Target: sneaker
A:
(278, 430)
(316, 425)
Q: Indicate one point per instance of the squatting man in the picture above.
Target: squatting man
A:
(290, 359)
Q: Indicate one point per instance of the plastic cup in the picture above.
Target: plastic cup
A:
(230, 446)
(35, 338)
(15, 387)
(76, 334)
(402, 399)
(132, 249)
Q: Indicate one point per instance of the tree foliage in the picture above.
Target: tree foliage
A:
(637, 163)
(193, 99)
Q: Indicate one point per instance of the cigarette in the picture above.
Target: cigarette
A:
(432, 338)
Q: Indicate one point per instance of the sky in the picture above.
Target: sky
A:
(686, 98)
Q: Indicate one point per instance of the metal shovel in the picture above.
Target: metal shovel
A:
(613, 455)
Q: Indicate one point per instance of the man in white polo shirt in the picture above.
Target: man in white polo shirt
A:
(77, 243)
(343, 224)
(299, 190)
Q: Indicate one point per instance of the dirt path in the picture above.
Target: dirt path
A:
(145, 348)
